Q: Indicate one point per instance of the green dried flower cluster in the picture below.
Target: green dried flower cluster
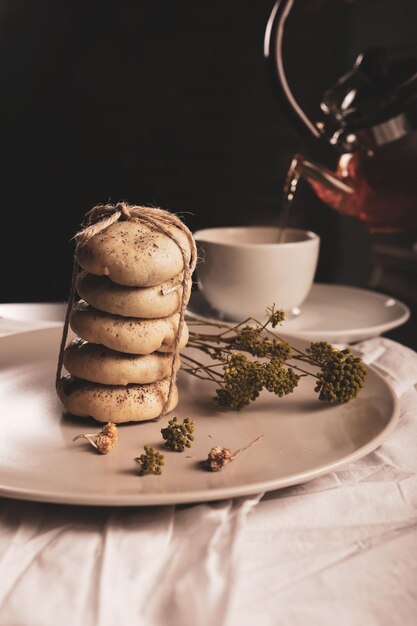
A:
(280, 380)
(178, 436)
(341, 377)
(275, 316)
(151, 462)
(320, 352)
(243, 380)
(277, 366)
(250, 340)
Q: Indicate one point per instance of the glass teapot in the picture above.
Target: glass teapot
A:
(370, 117)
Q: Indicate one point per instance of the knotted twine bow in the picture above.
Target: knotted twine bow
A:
(104, 215)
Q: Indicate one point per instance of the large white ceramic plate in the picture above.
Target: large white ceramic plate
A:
(303, 438)
(332, 313)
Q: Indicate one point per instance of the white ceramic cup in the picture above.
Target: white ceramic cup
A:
(243, 270)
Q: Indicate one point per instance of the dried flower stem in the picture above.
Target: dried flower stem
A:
(249, 357)
(88, 437)
(250, 445)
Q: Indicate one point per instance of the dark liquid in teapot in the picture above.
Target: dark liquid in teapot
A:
(383, 184)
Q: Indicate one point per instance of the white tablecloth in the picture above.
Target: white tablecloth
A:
(341, 549)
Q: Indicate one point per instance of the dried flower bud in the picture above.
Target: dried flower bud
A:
(104, 443)
(110, 429)
(105, 440)
(218, 458)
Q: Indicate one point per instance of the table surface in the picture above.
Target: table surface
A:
(339, 549)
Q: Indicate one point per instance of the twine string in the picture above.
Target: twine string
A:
(101, 217)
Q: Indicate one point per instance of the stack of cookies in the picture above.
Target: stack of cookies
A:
(127, 321)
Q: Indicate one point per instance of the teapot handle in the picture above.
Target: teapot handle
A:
(273, 43)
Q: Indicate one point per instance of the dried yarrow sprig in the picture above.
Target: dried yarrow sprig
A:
(219, 457)
(248, 358)
(178, 436)
(151, 462)
(341, 374)
(104, 441)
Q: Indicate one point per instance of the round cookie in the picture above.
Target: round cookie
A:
(126, 334)
(107, 403)
(134, 254)
(97, 364)
(143, 302)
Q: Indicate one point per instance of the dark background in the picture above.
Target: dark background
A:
(168, 103)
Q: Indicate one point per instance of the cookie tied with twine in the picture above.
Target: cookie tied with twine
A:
(107, 223)
(131, 252)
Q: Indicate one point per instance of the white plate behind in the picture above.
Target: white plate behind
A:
(332, 313)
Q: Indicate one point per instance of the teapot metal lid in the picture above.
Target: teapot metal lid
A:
(374, 103)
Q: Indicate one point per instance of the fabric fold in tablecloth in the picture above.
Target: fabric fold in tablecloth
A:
(160, 565)
(339, 549)
(398, 363)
